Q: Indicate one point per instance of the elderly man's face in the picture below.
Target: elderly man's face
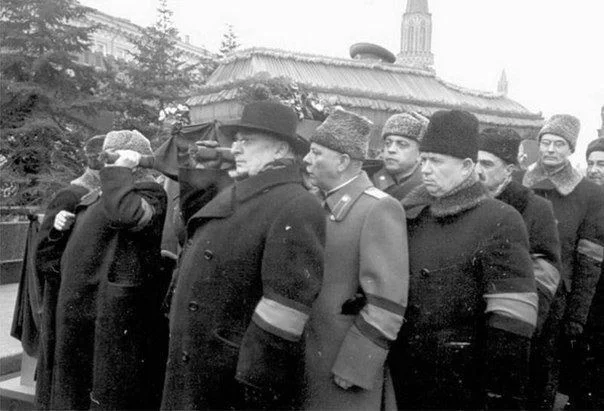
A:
(400, 154)
(492, 171)
(322, 166)
(595, 167)
(553, 150)
(442, 173)
(253, 151)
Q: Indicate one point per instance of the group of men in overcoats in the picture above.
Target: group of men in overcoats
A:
(437, 282)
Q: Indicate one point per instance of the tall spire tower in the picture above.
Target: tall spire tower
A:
(416, 36)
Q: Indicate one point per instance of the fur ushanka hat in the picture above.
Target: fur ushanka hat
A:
(345, 132)
(127, 140)
(562, 125)
(408, 125)
(453, 133)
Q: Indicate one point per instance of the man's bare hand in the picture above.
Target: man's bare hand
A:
(127, 158)
(63, 220)
(342, 383)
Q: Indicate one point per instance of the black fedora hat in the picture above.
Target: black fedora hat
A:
(271, 117)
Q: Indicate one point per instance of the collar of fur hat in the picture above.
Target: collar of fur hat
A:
(516, 195)
(464, 197)
(89, 180)
(564, 180)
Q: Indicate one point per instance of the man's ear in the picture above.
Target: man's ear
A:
(511, 167)
(468, 166)
(343, 162)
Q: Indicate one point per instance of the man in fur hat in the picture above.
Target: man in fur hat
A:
(363, 299)
(108, 352)
(48, 258)
(472, 299)
(401, 137)
(579, 209)
(249, 271)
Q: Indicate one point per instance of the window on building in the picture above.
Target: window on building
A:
(422, 36)
(410, 39)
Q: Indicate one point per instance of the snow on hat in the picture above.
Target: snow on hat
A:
(562, 125)
(127, 140)
(453, 133)
(502, 142)
(596, 145)
(345, 132)
(408, 125)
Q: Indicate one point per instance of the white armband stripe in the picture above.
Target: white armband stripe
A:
(281, 317)
(591, 250)
(387, 322)
(546, 274)
(521, 306)
(146, 217)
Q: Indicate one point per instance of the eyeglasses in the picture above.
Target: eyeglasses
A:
(559, 144)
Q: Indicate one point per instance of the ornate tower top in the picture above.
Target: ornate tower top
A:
(502, 86)
(417, 6)
(416, 36)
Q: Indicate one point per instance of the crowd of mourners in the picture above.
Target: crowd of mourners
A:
(449, 276)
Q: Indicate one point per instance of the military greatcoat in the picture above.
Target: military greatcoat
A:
(362, 302)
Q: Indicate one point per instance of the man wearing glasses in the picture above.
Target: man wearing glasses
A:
(579, 209)
(248, 273)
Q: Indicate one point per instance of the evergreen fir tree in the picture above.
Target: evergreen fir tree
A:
(229, 42)
(46, 97)
(157, 76)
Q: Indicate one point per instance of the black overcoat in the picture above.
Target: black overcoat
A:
(472, 302)
(108, 318)
(49, 249)
(249, 271)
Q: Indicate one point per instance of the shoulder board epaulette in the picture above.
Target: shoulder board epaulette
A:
(376, 193)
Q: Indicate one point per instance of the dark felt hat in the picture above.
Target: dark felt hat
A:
(596, 145)
(454, 133)
(270, 117)
(502, 142)
(94, 145)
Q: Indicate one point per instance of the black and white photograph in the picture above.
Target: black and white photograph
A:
(301, 205)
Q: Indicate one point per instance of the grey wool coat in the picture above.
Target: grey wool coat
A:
(249, 271)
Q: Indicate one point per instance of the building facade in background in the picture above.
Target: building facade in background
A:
(113, 39)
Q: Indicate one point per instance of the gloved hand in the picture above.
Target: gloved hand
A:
(63, 220)
(573, 329)
(206, 154)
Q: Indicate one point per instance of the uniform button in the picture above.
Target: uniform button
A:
(424, 272)
(208, 255)
(193, 306)
(185, 356)
(332, 218)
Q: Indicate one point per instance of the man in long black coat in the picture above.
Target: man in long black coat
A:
(249, 271)
(472, 298)
(497, 161)
(49, 249)
(108, 336)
